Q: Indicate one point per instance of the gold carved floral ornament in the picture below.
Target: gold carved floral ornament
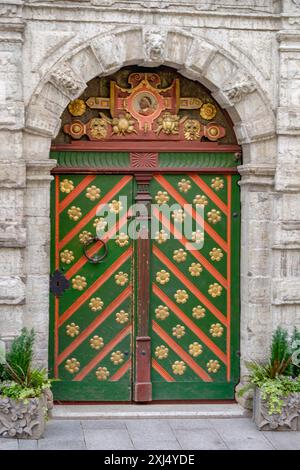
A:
(200, 200)
(123, 124)
(122, 317)
(213, 366)
(93, 193)
(67, 256)
(121, 278)
(216, 330)
(102, 373)
(100, 223)
(192, 129)
(66, 186)
(184, 185)
(216, 254)
(96, 342)
(115, 206)
(96, 304)
(162, 197)
(122, 239)
(179, 367)
(85, 236)
(178, 215)
(179, 255)
(74, 213)
(215, 290)
(77, 107)
(117, 357)
(217, 183)
(198, 236)
(195, 269)
(181, 296)
(161, 352)
(162, 277)
(72, 330)
(208, 111)
(162, 312)
(72, 365)
(195, 349)
(79, 282)
(198, 312)
(161, 237)
(214, 216)
(178, 331)
(168, 124)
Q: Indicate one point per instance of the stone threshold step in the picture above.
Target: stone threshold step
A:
(149, 411)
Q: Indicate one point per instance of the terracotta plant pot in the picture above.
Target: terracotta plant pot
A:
(24, 420)
(287, 420)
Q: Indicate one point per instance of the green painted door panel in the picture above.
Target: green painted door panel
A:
(90, 330)
(194, 304)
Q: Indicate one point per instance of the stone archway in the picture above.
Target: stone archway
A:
(235, 90)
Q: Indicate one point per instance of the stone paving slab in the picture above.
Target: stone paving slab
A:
(154, 434)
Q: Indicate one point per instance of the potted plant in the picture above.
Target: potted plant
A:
(276, 383)
(25, 395)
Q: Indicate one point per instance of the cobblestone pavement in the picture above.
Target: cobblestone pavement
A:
(163, 434)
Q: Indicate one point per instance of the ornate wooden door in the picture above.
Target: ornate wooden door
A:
(107, 342)
(91, 303)
(194, 304)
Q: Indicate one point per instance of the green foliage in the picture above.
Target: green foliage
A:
(18, 392)
(280, 360)
(19, 380)
(295, 346)
(19, 358)
(278, 377)
(274, 390)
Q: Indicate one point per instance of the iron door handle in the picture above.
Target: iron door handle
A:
(97, 258)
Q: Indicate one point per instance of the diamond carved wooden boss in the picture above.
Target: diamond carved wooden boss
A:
(144, 160)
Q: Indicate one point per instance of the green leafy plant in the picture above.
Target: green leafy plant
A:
(281, 355)
(295, 349)
(278, 377)
(274, 390)
(18, 380)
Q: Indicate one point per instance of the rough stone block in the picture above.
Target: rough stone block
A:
(177, 48)
(12, 174)
(12, 235)
(87, 61)
(286, 291)
(12, 290)
(199, 56)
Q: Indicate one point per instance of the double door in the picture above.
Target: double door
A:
(144, 300)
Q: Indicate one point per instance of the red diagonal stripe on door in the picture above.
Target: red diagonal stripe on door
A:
(107, 348)
(122, 371)
(188, 245)
(76, 191)
(191, 211)
(189, 323)
(189, 285)
(181, 353)
(95, 323)
(210, 193)
(93, 250)
(85, 220)
(98, 283)
(162, 372)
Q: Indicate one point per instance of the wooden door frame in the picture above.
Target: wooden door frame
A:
(139, 151)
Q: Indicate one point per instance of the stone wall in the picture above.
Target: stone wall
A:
(246, 52)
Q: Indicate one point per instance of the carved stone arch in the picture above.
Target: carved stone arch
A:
(232, 85)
